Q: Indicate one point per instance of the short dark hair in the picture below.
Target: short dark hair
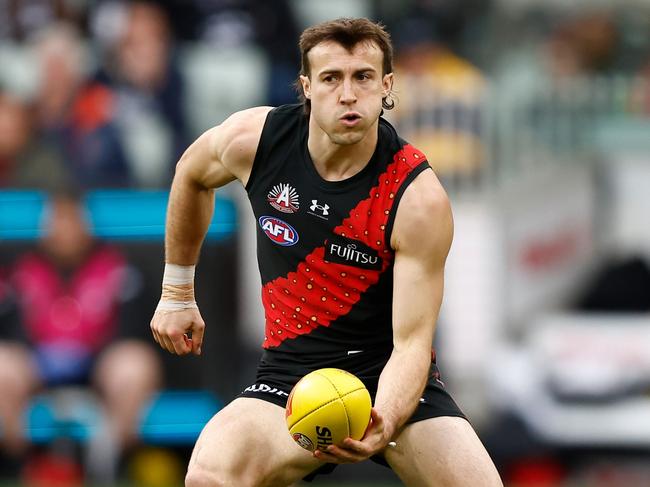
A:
(348, 32)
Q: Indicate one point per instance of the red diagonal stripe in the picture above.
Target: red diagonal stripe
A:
(319, 292)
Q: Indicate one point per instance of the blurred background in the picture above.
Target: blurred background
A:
(535, 115)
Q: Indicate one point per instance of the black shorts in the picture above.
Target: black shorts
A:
(277, 373)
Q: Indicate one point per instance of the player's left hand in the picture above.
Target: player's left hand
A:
(374, 440)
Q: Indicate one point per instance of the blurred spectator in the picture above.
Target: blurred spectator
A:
(25, 161)
(439, 97)
(542, 90)
(143, 71)
(639, 102)
(78, 322)
(575, 47)
(584, 45)
(271, 25)
(276, 32)
(20, 19)
(595, 38)
(77, 115)
(17, 374)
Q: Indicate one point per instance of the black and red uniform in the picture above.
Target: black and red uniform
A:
(326, 262)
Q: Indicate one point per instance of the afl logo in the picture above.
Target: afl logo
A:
(303, 441)
(279, 231)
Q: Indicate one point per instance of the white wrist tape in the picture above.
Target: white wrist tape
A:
(178, 274)
(167, 305)
(177, 288)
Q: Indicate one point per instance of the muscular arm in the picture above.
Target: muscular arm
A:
(422, 237)
(219, 156)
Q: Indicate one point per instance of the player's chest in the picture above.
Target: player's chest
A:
(349, 226)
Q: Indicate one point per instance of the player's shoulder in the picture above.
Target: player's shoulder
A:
(239, 133)
(249, 119)
(424, 210)
(426, 195)
(252, 121)
(291, 109)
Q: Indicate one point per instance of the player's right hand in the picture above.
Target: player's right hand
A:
(178, 331)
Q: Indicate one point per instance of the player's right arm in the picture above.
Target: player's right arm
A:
(220, 155)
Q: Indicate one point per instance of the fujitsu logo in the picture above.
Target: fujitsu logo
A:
(346, 251)
(350, 253)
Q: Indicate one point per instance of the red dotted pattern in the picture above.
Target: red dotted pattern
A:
(319, 292)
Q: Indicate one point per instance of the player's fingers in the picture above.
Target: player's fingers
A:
(376, 418)
(327, 457)
(189, 343)
(334, 454)
(158, 326)
(198, 328)
(167, 343)
(158, 338)
(344, 453)
(179, 344)
(154, 331)
(375, 424)
(160, 341)
(358, 450)
(353, 445)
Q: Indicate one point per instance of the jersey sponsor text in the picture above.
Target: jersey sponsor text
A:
(351, 252)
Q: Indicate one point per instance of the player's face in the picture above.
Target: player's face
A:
(346, 89)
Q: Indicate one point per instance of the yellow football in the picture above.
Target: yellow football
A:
(325, 407)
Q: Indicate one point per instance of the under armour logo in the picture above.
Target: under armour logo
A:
(322, 208)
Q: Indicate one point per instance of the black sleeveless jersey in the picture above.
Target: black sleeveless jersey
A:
(323, 247)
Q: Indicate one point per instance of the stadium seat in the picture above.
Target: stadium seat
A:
(173, 418)
(177, 417)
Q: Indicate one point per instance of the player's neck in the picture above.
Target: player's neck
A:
(336, 162)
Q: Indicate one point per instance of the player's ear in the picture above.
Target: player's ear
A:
(306, 86)
(387, 84)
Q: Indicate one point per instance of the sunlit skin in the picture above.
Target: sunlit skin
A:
(346, 90)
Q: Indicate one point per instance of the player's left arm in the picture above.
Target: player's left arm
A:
(422, 236)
